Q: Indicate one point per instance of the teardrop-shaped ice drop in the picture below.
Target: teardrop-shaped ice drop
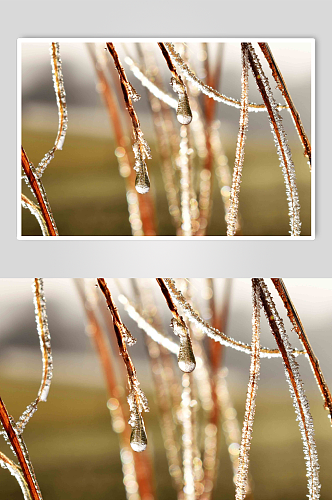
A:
(183, 112)
(186, 357)
(142, 181)
(138, 438)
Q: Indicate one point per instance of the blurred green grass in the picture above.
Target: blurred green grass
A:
(75, 453)
(88, 196)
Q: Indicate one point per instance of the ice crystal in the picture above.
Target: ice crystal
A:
(300, 401)
(284, 152)
(62, 107)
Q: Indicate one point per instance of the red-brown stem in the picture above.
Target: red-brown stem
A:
(124, 87)
(168, 60)
(145, 202)
(276, 73)
(5, 420)
(275, 331)
(34, 185)
(298, 327)
(172, 307)
(118, 325)
(142, 463)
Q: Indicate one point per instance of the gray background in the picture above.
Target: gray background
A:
(150, 258)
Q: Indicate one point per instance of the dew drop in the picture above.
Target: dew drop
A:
(186, 357)
(183, 112)
(138, 438)
(142, 181)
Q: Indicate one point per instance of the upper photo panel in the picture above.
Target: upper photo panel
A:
(190, 138)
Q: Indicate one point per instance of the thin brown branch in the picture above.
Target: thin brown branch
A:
(183, 112)
(298, 326)
(280, 137)
(136, 399)
(40, 194)
(21, 455)
(276, 73)
(140, 147)
(145, 203)
(296, 388)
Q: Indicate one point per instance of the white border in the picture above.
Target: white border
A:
(20, 41)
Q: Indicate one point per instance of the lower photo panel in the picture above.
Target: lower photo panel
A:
(161, 389)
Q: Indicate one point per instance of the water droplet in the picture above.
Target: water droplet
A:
(183, 112)
(142, 181)
(186, 357)
(138, 438)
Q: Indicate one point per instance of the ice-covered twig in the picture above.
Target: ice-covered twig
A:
(18, 447)
(26, 203)
(214, 333)
(248, 421)
(280, 139)
(186, 358)
(140, 226)
(298, 326)
(296, 389)
(151, 86)
(136, 399)
(205, 89)
(38, 190)
(277, 75)
(62, 107)
(239, 154)
(140, 147)
(183, 111)
(45, 347)
(16, 471)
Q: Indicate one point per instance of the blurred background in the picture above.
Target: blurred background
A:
(84, 187)
(71, 443)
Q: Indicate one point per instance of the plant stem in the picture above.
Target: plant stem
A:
(276, 73)
(5, 420)
(297, 324)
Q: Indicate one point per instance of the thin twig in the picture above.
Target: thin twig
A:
(183, 112)
(298, 326)
(276, 73)
(214, 333)
(283, 150)
(239, 154)
(16, 471)
(186, 358)
(296, 388)
(209, 91)
(45, 347)
(38, 190)
(26, 203)
(62, 107)
(20, 452)
(140, 146)
(248, 420)
(136, 398)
